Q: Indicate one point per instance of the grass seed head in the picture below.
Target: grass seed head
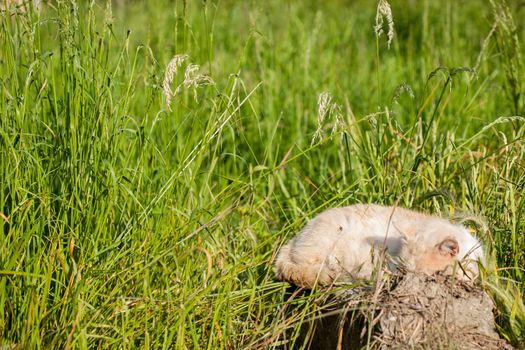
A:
(171, 70)
(384, 11)
(326, 108)
(193, 79)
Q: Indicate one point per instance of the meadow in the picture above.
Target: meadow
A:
(154, 155)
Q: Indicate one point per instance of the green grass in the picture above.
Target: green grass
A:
(126, 223)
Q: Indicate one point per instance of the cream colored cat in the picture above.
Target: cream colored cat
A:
(345, 244)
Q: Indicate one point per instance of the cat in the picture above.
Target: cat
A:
(345, 245)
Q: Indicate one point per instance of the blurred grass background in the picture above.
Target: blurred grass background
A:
(127, 222)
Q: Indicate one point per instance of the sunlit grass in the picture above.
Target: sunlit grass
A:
(129, 219)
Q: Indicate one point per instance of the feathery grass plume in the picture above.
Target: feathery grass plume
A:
(327, 108)
(403, 87)
(384, 11)
(171, 70)
(372, 117)
(194, 79)
(108, 15)
(324, 105)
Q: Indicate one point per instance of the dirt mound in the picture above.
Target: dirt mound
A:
(412, 311)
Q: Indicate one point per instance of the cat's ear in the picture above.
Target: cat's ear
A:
(449, 247)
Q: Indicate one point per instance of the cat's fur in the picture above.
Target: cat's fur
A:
(345, 244)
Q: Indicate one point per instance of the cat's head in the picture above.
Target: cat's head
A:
(443, 248)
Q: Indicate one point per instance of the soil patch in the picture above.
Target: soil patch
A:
(412, 311)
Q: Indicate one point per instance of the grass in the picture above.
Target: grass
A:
(129, 223)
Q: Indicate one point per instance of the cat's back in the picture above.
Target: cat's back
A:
(366, 222)
(362, 212)
(343, 219)
(369, 214)
(358, 220)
